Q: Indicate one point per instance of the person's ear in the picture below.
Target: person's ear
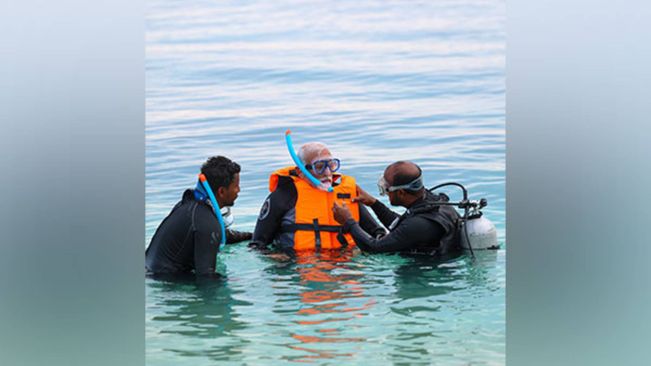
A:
(221, 191)
(404, 195)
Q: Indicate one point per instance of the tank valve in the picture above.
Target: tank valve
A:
(483, 203)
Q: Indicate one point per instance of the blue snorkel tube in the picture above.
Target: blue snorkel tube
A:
(299, 163)
(215, 207)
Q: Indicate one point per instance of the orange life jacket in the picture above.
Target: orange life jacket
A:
(315, 226)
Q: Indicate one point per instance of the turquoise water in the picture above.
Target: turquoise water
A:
(377, 82)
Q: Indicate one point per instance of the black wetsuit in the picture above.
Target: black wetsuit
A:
(188, 239)
(279, 209)
(424, 228)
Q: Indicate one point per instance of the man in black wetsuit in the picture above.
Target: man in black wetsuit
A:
(187, 240)
(424, 228)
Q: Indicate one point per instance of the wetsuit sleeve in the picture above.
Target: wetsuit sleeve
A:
(234, 236)
(383, 213)
(368, 223)
(407, 235)
(273, 209)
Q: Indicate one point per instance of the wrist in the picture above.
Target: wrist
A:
(348, 224)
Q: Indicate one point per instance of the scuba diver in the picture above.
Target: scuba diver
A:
(188, 239)
(426, 227)
(296, 216)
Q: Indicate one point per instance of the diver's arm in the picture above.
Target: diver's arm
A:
(405, 236)
(383, 213)
(206, 244)
(207, 240)
(368, 224)
(273, 209)
(234, 236)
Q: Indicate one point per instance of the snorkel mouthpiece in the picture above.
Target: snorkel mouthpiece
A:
(215, 207)
(299, 163)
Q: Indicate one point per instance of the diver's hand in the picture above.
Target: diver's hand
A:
(363, 197)
(341, 213)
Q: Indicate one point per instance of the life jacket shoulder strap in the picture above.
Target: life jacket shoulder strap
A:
(287, 172)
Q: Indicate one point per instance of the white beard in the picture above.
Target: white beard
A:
(325, 184)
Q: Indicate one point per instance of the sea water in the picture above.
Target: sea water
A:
(377, 81)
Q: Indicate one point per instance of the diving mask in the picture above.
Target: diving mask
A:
(319, 166)
(384, 187)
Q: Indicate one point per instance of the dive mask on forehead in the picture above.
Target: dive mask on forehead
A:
(384, 187)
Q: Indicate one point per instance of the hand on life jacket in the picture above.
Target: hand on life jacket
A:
(363, 197)
(341, 212)
(314, 214)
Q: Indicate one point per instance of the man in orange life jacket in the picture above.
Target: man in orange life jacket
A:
(297, 216)
(425, 227)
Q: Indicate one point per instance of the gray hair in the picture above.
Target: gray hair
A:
(311, 149)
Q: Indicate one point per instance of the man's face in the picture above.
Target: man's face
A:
(326, 175)
(230, 193)
(393, 196)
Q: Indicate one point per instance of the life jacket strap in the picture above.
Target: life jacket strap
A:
(290, 228)
(317, 234)
(317, 228)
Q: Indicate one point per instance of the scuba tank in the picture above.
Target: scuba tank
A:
(481, 233)
(475, 230)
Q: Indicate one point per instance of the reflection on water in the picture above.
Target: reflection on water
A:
(329, 292)
(377, 81)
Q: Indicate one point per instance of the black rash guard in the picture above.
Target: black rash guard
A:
(188, 239)
(279, 208)
(413, 232)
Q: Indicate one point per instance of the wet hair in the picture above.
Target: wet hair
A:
(402, 174)
(220, 171)
(311, 149)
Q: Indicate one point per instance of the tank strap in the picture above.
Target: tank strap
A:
(426, 209)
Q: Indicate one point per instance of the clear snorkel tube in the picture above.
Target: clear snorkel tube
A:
(299, 163)
(215, 206)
